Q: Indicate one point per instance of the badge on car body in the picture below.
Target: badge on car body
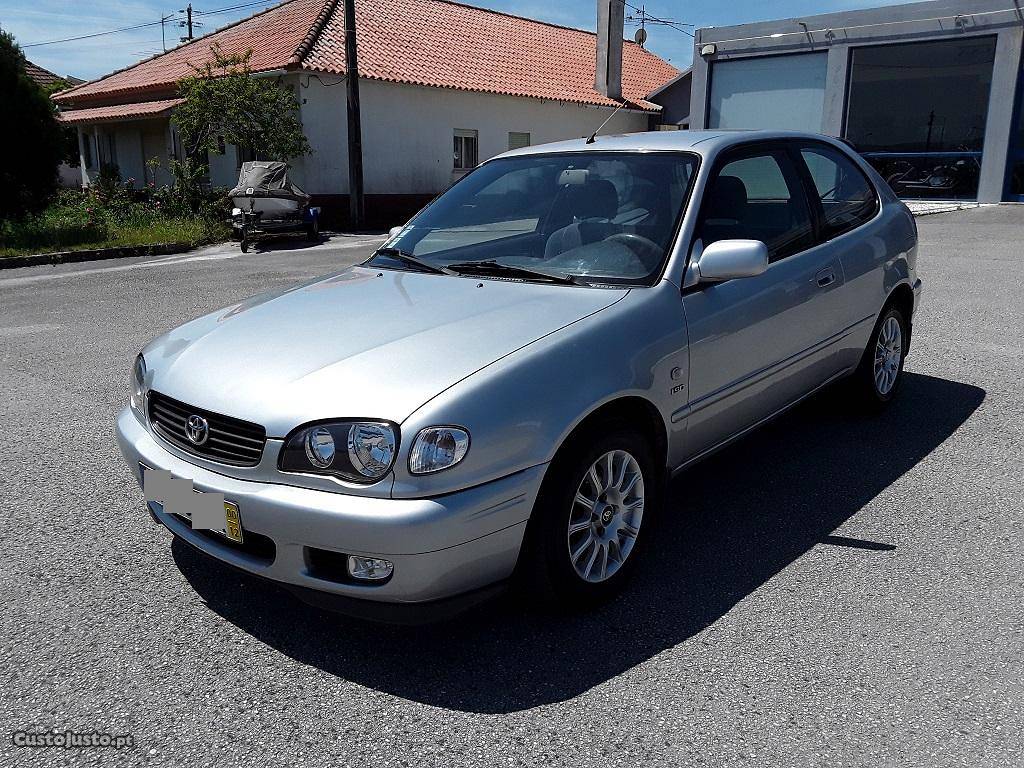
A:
(197, 429)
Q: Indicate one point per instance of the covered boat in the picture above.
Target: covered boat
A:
(263, 186)
(267, 202)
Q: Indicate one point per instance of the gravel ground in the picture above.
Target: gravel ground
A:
(831, 591)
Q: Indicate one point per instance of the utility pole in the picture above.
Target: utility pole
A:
(163, 35)
(356, 207)
(188, 12)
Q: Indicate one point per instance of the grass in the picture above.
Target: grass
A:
(80, 221)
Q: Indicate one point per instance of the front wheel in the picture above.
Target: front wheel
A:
(591, 517)
(878, 377)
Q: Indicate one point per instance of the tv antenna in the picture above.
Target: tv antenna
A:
(640, 18)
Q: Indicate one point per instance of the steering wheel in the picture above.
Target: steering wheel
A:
(639, 244)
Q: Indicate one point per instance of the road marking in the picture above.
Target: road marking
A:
(181, 258)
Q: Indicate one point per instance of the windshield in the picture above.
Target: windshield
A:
(602, 217)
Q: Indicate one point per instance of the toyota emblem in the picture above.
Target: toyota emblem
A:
(197, 429)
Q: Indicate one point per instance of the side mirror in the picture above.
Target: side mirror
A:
(394, 231)
(730, 259)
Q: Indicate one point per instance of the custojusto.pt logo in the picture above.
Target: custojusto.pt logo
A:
(72, 739)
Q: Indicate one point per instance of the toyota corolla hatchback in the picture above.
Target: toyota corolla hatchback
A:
(504, 388)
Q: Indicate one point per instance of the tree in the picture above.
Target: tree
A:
(69, 153)
(225, 104)
(29, 132)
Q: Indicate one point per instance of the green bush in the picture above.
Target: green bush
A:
(110, 214)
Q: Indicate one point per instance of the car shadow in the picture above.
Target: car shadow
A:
(284, 242)
(298, 241)
(732, 522)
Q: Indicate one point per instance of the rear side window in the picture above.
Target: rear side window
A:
(847, 197)
(758, 197)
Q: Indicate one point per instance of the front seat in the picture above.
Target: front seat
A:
(592, 206)
(727, 211)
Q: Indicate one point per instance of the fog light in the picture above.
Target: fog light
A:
(369, 568)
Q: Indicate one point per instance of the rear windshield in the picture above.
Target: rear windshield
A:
(606, 217)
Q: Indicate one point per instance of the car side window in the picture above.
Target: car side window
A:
(847, 197)
(758, 196)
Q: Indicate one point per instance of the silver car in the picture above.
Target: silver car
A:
(505, 387)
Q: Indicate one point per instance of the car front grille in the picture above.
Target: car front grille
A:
(230, 440)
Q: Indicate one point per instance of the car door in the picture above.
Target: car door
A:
(757, 343)
(847, 208)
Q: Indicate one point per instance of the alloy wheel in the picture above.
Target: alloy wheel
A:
(888, 355)
(606, 515)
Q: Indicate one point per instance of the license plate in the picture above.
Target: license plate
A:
(229, 526)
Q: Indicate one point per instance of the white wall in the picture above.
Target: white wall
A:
(407, 132)
(325, 122)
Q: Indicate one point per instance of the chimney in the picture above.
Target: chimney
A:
(608, 79)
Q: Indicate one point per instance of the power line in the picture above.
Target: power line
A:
(94, 34)
(162, 21)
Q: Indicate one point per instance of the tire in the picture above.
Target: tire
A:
(876, 382)
(547, 569)
(313, 231)
(244, 245)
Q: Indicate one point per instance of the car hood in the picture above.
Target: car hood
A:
(362, 343)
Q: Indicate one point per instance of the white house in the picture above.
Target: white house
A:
(443, 86)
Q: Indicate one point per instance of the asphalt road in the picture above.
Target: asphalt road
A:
(832, 591)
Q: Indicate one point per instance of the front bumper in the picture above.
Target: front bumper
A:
(441, 547)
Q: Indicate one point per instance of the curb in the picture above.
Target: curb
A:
(96, 254)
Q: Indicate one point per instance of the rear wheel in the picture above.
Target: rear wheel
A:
(591, 518)
(313, 230)
(878, 377)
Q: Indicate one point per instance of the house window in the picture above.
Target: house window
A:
(87, 153)
(465, 150)
(518, 140)
(917, 112)
(176, 152)
(244, 155)
(111, 149)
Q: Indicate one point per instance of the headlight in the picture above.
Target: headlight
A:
(138, 385)
(437, 448)
(361, 451)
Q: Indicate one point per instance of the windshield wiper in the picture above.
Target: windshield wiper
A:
(407, 258)
(491, 267)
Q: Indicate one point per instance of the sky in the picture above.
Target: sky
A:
(47, 20)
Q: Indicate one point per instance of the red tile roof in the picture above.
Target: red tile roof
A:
(422, 42)
(272, 36)
(446, 44)
(134, 111)
(42, 77)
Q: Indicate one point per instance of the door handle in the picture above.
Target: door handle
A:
(826, 277)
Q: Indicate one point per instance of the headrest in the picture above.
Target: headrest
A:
(597, 199)
(728, 198)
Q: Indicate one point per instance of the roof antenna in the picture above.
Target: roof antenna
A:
(593, 136)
